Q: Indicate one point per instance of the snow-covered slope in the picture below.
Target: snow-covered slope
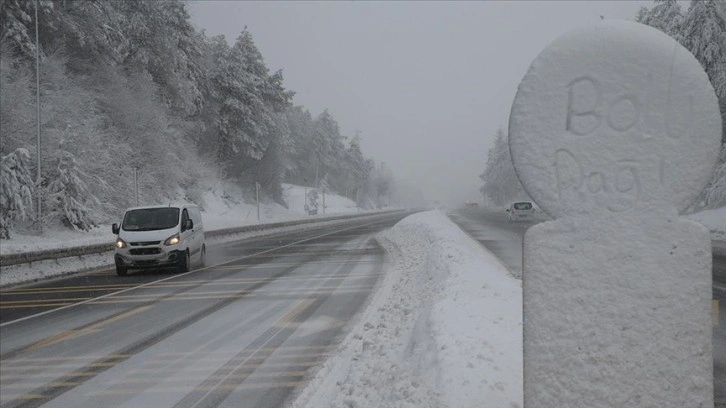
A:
(444, 329)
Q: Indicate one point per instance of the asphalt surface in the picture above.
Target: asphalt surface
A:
(504, 239)
(244, 332)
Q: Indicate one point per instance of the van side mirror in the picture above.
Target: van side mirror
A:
(115, 229)
(189, 225)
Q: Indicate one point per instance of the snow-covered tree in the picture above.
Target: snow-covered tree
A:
(68, 194)
(16, 186)
(665, 15)
(702, 30)
(501, 184)
(249, 98)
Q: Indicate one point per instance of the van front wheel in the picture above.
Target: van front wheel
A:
(184, 262)
(121, 270)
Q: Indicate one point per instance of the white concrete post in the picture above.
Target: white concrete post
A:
(614, 130)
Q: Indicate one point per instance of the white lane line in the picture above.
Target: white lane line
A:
(181, 275)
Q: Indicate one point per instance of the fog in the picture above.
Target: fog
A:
(426, 83)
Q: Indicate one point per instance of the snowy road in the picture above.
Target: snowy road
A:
(242, 333)
(504, 239)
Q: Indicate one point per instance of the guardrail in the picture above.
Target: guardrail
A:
(37, 256)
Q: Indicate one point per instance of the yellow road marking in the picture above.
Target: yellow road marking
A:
(62, 289)
(286, 365)
(52, 384)
(714, 312)
(209, 361)
(278, 350)
(71, 334)
(28, 397)
(283, 265)
(41, 301)
(46, 367)
(45, 374)
(294, 312)
(65, 358)
(212, 388)
(35, 306)
(251, 375)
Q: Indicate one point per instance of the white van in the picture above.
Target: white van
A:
(157, 236)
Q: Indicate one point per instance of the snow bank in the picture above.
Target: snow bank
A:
(444, 329)
(714, 220)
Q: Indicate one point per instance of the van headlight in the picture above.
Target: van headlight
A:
(120, 243)
(172, 240)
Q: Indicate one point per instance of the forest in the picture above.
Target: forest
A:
(131, 90)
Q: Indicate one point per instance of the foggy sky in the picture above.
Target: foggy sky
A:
(427, 83)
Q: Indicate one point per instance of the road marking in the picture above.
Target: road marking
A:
(75, 333)
(186, 273)
(245, 376)
(255, 366)
(209, 389)
(52, 384)
(60, 289)
(46, 367)
(294, 312)
(41, 301)
(287, 317)
(43, 374)
(714, 312)
(28, 397)
(255, 294)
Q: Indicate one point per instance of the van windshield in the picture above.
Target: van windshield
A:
(522, 206)
(150, 219)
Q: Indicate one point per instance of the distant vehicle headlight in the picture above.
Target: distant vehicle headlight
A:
(120, 243)
(172, 240)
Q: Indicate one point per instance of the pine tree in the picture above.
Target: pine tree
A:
(16, 186)
(249, 99)
(68, 194)
(501, 184)
(666, 16)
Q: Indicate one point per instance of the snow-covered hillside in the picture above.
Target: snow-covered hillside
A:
(223, 207)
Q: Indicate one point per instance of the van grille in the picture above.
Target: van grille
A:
(147, 243)
(145, 251)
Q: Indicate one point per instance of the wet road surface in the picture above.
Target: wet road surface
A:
(245, 331)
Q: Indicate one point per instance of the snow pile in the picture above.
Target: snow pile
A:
(444, 329)
(714, 220)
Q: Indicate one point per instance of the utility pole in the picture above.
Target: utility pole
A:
(305, 207)
(317, 166)
(257, 188)
(136, 184)
(38, 180)
(323, 200)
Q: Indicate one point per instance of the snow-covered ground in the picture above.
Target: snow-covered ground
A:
(714, 220)
(443, 329)
(221, 210)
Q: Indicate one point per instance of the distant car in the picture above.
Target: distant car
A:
(521, 211)
(159, 236)
(472, 204)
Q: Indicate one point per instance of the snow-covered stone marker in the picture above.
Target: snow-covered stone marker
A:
(614, 130)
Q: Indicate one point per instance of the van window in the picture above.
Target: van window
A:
(185, 216)
(197, 215)
(150, 219)
(523, 206)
